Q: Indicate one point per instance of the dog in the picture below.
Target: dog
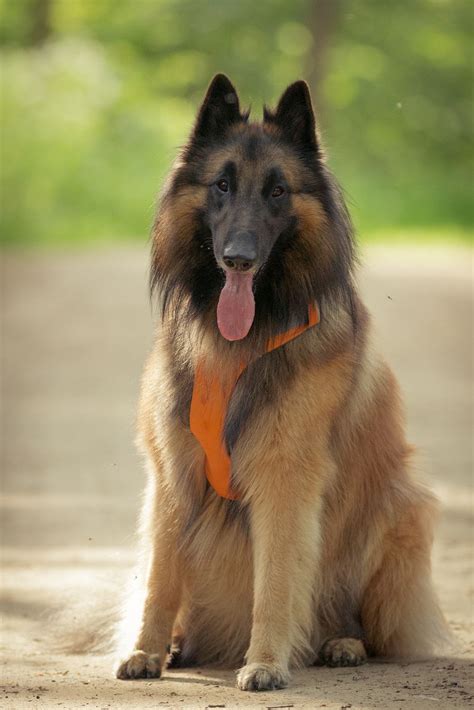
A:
(282, 525)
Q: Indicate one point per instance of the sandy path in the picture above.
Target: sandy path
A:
(76, 329)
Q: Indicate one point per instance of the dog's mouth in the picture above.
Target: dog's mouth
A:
(236, 306)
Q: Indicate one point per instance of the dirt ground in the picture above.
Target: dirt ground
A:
(76, 328)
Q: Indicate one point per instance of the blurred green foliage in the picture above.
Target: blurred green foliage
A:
(98, 94)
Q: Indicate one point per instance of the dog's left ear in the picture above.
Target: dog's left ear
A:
(219, 110)
(294, 115)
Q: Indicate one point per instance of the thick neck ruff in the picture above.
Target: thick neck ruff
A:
(209, 408)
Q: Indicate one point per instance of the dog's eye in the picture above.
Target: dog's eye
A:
(278, 191)
(223, 185)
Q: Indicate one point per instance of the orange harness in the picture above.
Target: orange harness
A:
(209, 407)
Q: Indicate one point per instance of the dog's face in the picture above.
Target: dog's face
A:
(248, 206)
(261, 204)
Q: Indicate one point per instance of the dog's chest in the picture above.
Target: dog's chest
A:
(220, 409)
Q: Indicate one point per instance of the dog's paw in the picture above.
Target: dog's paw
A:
(262, 676)
(139, 665)
(174, 659)
(340, 652)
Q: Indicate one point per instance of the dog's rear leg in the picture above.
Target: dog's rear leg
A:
(400, 612)
(162, 600)
(346, 647)
(180, 655)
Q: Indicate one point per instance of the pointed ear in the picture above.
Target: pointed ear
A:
(295, 116)
(219, 110)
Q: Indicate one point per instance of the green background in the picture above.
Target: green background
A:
(98, 94)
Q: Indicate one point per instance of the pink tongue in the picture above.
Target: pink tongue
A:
(236, 307)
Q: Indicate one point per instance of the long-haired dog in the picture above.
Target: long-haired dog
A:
(281, 522)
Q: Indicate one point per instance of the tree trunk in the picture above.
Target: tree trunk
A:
(323, 20)
(40, 21)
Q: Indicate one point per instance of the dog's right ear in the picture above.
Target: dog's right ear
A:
(219, 110)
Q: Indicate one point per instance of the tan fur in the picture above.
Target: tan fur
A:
(337, 522)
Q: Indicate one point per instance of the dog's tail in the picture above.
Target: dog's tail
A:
(105, 621)
(86, 624)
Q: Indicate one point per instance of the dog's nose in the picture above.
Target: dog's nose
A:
(240, 252)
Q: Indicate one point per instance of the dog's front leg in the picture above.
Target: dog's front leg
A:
(159, 608)
(285, 538)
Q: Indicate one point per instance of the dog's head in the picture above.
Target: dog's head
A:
(258, 228)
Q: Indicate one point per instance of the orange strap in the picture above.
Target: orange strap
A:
(209, 408)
